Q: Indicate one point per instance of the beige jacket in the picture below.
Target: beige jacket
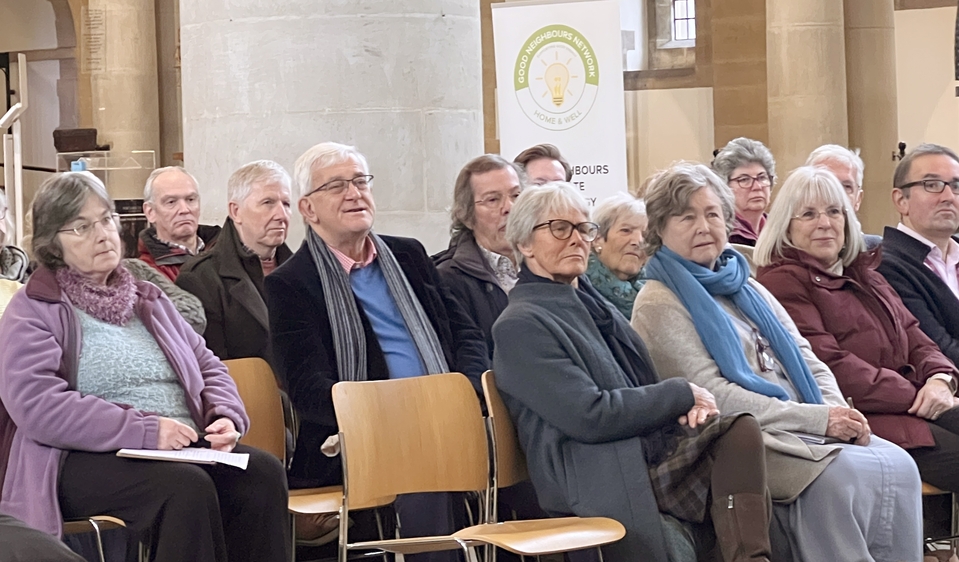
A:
(667, 328)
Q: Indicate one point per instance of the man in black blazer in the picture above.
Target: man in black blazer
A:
(334, 190)
(920, 256)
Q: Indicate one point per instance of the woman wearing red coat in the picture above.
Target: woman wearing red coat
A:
(812, 257)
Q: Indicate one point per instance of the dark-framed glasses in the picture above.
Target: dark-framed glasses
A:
(562, 229)
(746, 181)
(85, 229)
(362, 183)
(834, 214)
(934, 185)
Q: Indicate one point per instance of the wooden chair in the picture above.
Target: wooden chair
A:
(261, 397)
(427, 434)
(930, 490)
(96, 525)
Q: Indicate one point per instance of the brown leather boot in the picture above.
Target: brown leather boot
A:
(741, 522)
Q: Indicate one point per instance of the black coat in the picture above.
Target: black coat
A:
(229, 283)
(305, 357)
(468, 275)
(925, 295)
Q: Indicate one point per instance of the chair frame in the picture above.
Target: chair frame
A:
(97, 524)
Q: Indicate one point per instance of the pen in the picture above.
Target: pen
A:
(849, 401)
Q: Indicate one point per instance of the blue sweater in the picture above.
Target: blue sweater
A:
(402, 357)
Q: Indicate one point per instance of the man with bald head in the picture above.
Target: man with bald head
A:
(171, 203)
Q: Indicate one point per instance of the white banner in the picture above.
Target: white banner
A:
(559, 76)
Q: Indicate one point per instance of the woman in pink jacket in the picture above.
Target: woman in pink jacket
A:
(92, 361)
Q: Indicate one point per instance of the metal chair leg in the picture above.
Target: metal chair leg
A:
(96, 532)
(293, 536)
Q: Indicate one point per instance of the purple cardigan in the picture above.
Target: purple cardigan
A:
(42, 415)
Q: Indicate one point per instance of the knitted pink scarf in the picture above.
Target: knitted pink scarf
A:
(111, 303)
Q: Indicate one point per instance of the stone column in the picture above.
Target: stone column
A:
(399, 80)
(739, 70)
(873, 109)
(806, 73)
(124, 84)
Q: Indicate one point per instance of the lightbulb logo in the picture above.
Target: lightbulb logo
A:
(556, 77)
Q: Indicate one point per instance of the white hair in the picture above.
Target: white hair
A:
(322, 155)
(614, 208)
(840, 154)
(534, 204)
(241, 182)
(148, 186)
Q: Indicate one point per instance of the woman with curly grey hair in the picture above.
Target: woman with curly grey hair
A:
(840, 493)
(749, 169)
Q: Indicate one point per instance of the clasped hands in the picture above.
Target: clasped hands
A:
(704, 407)
(934, 398)
(173, 435)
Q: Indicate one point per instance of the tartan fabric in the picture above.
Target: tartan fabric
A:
(681, 482)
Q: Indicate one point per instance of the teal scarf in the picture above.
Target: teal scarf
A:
(696, 286)
(622, 294)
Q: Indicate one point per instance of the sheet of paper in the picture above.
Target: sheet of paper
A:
(194, 455)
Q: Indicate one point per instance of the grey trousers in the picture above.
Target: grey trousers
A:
(865, 507)
(19, 543)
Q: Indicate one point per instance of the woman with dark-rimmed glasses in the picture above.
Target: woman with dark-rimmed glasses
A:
(748, 168)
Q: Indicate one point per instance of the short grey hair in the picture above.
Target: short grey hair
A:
(533, 206)
(60, 200)
(324, 155)
(616, 207)
(463, 211)
(241, 182)
(740, 152)
(806, 186)
(839, 154)
(925, 149)
(148, 186)
(668, 195)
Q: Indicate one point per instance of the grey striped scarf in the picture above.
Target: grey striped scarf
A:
(349, 340)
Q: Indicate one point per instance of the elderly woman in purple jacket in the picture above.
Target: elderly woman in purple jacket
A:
(92, 361)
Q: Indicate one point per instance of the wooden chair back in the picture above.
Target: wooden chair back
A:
(261, 396)
(401, 436)
(510, 460)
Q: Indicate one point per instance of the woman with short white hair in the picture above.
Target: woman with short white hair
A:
(616, 262)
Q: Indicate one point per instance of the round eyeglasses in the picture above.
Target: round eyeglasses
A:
(562, 229)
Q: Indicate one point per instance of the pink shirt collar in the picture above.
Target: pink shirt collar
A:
(349, 264)
(945, 267)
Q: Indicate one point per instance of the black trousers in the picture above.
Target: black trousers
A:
(19, 543)
(939, 465)
(185, 512)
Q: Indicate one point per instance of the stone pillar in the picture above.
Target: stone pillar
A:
(399, 80)
(873, 109)
(124, 83)
(806, 72)
(739, 70)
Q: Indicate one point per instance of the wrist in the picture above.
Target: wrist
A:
(947, 379)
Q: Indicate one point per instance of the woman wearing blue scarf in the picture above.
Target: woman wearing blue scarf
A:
(844, 496)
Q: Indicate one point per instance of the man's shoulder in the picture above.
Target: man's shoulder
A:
(202, 264)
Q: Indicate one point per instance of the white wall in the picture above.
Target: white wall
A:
(925, 77)
(663, 126)
(27, 25)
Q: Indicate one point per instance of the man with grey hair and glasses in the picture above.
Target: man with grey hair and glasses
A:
(171, 203)
(252, 244)
(354, 305)
(921, 254)
(848, 168)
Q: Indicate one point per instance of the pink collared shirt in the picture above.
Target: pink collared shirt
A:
(349, 264)
(945, 268)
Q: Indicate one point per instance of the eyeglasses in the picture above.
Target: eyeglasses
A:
(766, 363)
(934, 185)
(563, 229)
(497, 200)
(747, 181)
(338, 187)
(85, 230)
(834, 214)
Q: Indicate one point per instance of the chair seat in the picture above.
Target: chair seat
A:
(546, 536)
(104, 522)
(930, 490)
(312, 501)
(415, 545)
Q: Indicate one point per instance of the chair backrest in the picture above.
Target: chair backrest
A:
(510, 460)
(261, 396)
(401, 436)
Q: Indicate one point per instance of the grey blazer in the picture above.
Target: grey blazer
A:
(791, 465)
(579, 417)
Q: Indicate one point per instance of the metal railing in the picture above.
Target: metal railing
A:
(13, 147)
